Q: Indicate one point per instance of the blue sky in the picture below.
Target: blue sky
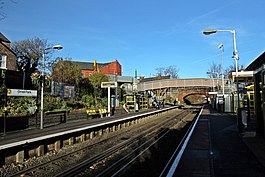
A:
(142, 34)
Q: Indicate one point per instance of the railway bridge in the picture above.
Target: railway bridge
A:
(179, 88)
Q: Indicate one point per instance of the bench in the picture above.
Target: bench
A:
(95, 113)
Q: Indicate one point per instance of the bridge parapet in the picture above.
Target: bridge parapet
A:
(178, 83)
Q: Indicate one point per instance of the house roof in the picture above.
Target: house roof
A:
(3, 38)
(122, 79)
(89, 65)
(257, 63)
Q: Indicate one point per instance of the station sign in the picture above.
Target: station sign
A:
(21, 92)
(109, 84)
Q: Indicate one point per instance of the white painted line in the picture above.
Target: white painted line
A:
(177, 159)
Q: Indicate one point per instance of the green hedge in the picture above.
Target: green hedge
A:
(28, 105)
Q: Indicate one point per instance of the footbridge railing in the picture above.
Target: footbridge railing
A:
(178, 83)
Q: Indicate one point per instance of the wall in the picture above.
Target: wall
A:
(183, 93)
(11, 57)
(86, 73)
(112, 69)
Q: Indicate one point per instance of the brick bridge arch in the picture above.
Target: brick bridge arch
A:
(186, 92)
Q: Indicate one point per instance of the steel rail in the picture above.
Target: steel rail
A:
(30, 170)
(79, 167)
(121, 164)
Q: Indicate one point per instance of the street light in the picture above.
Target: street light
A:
(209, 31)
(217, 75)
(23, 85)
(221, 47)
(235, 54)
(56, 47)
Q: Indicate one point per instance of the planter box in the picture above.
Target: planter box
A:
(13, 123)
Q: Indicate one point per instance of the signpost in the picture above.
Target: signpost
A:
(19, 92)
(109, 85)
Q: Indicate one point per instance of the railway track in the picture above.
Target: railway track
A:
(132, 149)
(84, 159)
(134, 143)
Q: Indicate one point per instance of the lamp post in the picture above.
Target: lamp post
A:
(57, 47)
(217, 75)
(23, 68)
(235, 54)
(221, 47)
(3, 76)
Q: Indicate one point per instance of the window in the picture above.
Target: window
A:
(3, 61)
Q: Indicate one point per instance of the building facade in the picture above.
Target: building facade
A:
(111, 68)
(7, 56)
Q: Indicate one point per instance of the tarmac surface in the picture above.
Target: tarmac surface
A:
(216, 149)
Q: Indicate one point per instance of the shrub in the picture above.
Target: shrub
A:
(88, 100)
(102, 102)
(52, 103)
(20, 106)
(73, 104)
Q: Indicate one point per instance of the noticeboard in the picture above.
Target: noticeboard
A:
(68, 91)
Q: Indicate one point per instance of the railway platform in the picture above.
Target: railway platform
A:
(217, 149)
(16, 147)
(15, 136)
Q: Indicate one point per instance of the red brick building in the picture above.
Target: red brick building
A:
(111, 68)
(7, 56)
(14, 79)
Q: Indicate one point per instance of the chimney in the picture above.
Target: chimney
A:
(6, 44)
(4, 40)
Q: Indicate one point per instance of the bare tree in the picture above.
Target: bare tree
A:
(228, 71)
(29, 53)
(214, 69)
(170, 70)
(217, 68)
(160, 71)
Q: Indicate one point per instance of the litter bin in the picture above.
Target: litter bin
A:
(241, 119)
(244, 115)
(220, 102)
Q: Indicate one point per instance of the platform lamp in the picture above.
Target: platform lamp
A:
(221, 47)
(55, 47)
(235, 54)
